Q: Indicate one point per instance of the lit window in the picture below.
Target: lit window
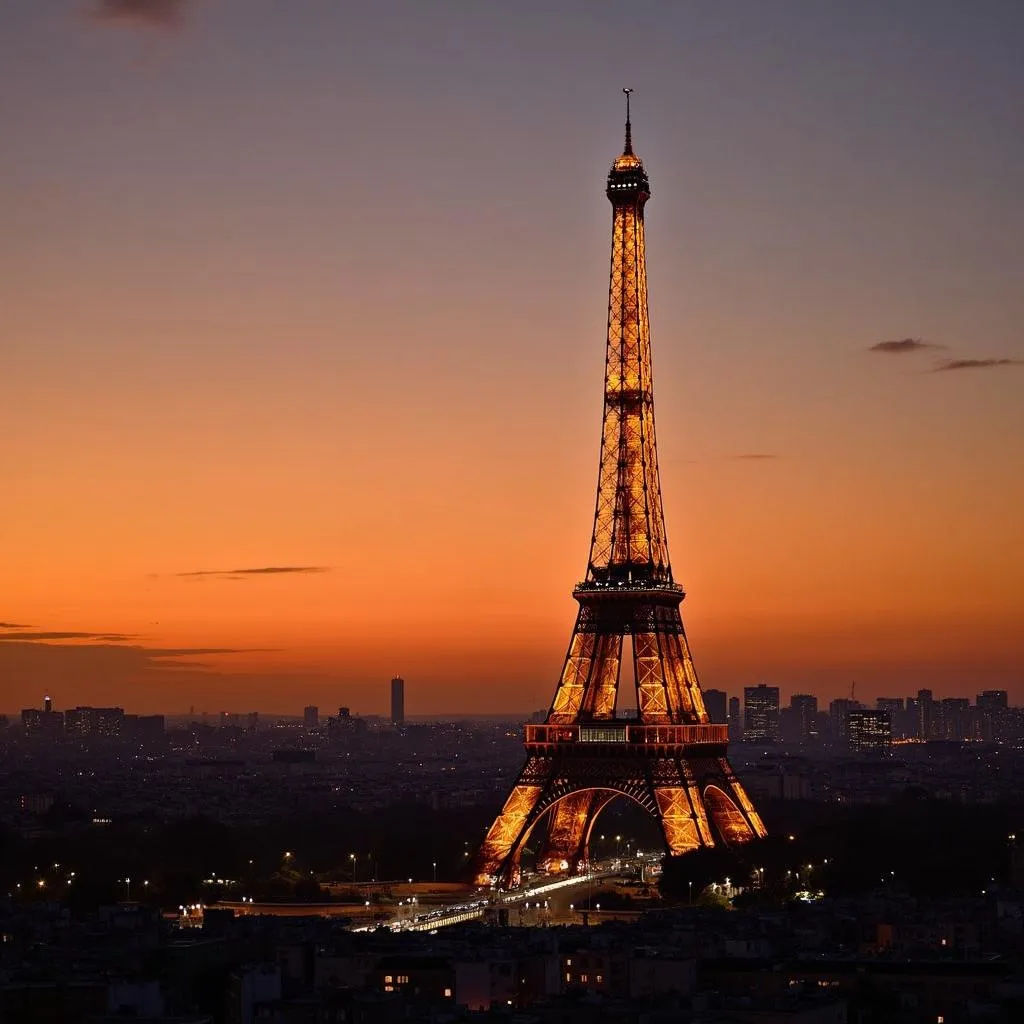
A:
(447, 993)
(389, 988)
(388, 978)
(583, 978)
(403, 979)
(568, 963)
(568, 976)
(599, 979)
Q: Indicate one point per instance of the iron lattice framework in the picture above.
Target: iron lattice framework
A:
(669, 760)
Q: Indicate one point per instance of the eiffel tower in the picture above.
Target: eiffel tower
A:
(670, 759)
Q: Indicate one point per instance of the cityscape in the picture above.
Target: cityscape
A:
(323, 852)
(301, 366)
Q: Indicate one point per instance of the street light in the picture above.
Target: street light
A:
(352, 857)
(435, 870)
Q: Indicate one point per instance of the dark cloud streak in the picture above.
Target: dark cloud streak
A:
(975, 364)
(68, 635)
(270, 570)
(14, 625)
(902, 346)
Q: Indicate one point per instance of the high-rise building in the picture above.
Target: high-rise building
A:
(993, 712)
(760, 714)
(806, 707)
(798, 723)
(735, 722)
(310, 716)
(398, 701)
(868, 732)
(839, 713)
(898, 716)
(46, 722)
(926, 712)
(955, 719)
(993, 700)
(670, 759)
(716, 705)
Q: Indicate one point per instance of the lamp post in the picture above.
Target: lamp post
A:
(435, 870)
(352, 858)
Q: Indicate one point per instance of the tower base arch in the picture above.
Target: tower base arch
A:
(694, 797)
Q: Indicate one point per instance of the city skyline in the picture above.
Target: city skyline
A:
(230, 471)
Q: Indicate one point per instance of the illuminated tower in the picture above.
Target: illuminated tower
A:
(669, 758)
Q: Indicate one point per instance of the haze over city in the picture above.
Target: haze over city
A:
(303, 332)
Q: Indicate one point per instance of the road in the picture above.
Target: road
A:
(538, 901)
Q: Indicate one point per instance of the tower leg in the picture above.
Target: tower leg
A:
(563, 848)
(680, 810)
(739, 796)
(504, 837)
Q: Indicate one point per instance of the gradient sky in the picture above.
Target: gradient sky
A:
(321, 285)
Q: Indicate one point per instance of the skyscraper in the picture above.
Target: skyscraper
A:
(310, 716)
(868, 732)
(715, 705)
(735, 723)
(898, 716)
(839, 713)
(798, 723)
(760, 713)
(993, 714)
(398, 701)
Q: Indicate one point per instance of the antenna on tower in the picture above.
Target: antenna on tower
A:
(629, 132)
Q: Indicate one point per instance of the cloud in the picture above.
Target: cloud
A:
(13, 625)
(116, 638)
(269, 570)
(98, 672)
(194, 652)
(976, 364)
(159, 14)
(903, 345)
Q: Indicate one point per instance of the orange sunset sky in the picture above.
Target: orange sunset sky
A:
(305, 287)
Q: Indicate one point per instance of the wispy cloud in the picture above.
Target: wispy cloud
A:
(753, 456)
(975, 364)
(95, 670)
(903, 345)
(268, 570)
(159, 14)
(13, 625)
(113, 638)
(194, 652)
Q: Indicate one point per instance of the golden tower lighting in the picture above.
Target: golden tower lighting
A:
(670, 760)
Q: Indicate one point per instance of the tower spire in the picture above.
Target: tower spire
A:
(629, 132)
